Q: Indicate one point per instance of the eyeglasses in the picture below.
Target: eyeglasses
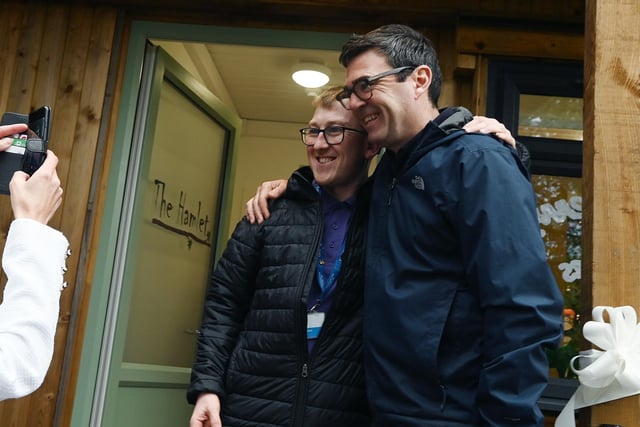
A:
(334, 135)
(363, 87)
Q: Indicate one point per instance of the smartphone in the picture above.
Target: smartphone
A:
(29, 149)
(38, 139)
(39, 124)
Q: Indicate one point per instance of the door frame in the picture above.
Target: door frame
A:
(107, 296)
(115, 375)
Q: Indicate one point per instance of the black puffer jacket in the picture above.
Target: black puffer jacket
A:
(252, 350)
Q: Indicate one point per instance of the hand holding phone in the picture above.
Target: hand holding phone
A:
(29, 149)
(37, 197)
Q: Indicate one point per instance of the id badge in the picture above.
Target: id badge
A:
(315, 319)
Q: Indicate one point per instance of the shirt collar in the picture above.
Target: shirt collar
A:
(330, 203)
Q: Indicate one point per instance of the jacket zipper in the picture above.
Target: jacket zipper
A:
(392, 187)
(303, 383)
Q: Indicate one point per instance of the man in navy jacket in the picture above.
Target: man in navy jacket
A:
(460, 303)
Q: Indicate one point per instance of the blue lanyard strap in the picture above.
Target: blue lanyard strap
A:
(327, 283)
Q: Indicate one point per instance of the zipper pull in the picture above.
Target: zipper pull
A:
(305, 371)
(391, 188)
(444, 395)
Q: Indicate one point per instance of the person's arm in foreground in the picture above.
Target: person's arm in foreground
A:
(258, 208)
(33, 260)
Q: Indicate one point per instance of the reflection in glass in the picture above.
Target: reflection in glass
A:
(560, 215)
(555, 117)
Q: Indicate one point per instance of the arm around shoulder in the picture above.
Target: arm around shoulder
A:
(257, 206)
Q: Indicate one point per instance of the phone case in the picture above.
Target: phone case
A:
(12, 159)
(29, 148)
(36, 152)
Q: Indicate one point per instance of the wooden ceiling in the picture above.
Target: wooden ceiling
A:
(255, 91)
(356, 15)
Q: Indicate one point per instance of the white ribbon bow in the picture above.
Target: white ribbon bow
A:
(611, 373)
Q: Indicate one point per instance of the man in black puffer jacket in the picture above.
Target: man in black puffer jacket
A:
(281, 339)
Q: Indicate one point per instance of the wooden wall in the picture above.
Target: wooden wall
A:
(612, 169)
(58, 56)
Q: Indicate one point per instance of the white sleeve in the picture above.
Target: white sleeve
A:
(34, 262)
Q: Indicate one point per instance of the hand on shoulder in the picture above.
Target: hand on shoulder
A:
(257, 206)
(482, 124)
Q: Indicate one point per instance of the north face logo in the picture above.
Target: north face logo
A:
(418, 182)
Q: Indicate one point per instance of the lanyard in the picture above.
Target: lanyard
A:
(327, 283)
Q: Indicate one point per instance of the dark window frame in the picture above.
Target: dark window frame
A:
(507, 79)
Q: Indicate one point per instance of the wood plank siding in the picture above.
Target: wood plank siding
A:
(57, 55)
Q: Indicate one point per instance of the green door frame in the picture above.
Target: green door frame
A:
(104, 302)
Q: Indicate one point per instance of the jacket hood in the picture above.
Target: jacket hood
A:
(300, 185)
(452, 119)
(441, 130)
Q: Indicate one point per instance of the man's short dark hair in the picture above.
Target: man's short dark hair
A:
(401, 46)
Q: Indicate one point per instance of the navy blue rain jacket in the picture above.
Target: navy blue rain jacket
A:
(460, 303)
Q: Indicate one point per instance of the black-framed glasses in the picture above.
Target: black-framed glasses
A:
(363, 87)
(334, 135)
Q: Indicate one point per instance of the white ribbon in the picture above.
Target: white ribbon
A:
(611, 373)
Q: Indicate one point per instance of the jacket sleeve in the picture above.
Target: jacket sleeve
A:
(227, 302)
(505, 261)
(34, 261)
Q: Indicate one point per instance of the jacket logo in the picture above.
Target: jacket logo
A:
(418, 182)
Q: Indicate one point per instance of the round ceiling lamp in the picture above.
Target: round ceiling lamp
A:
(310, 75)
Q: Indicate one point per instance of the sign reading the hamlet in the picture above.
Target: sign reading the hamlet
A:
(181, 214)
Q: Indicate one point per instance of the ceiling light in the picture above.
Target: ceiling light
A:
(310, 75)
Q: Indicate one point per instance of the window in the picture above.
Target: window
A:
(541, 103)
